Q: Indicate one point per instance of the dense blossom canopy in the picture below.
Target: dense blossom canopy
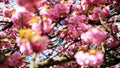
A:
(59, 33)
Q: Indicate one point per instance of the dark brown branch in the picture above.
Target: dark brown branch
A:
(9, 25)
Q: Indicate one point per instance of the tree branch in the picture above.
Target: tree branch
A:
(53, 61)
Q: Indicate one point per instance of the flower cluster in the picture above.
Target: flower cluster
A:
(97, 12)
(47, 29)
(94, 36)
(20, 19)
(14, 60)
(30, 41)
(59, 10)
(91, 58)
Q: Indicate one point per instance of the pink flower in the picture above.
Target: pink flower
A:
(94, 36)
(30, 41)
(13, 32)
(112, 42)
(96, 12)
(24, 2)
(76, 25)
(98, 2)
(47, 25)
(21, 18)
(43, 11)
(102, 12)
(8, 12)
(74, 32)
(86, 2)
(115, 1)
(78, 19)
(30, 8)
(21, 2)
(5, 1)
(39, 44)
(41, 3)
(15, 60)
(62, 8)
(53, 14)
(2, 34)
(105, 11)
(25, 47)
(78, 8)
(37, 26)
(87, 59)
(30, 5)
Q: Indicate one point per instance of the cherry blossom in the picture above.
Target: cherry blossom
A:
(59, 33)
(94, 36)
(13, 60)
(98, 12)
(8, 12)
(31, 42)
(21, 18)
(62, 8)
(87, 59)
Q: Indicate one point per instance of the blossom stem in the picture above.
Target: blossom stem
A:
(98, 66)
(103, 48)
(32, 63)
(105, 26)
